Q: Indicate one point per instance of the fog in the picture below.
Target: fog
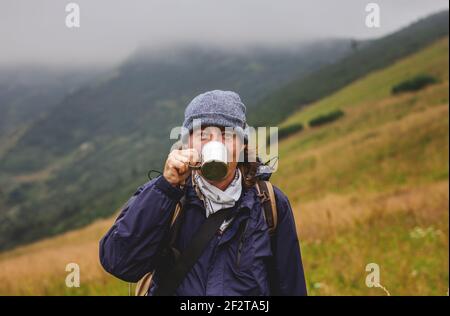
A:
(110, 30)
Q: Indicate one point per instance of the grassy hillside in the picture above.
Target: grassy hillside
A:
(373, 186)
(369, 187)
(39, 268)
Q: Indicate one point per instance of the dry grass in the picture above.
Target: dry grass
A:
(377, 159)
(332, 214)
(39, 268)
(405, 233)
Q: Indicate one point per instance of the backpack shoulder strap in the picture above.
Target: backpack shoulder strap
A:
(177, 211)
(175, 223)
(269, 204)
(270, 212)
(143, 285)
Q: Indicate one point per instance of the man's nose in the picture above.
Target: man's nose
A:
(217, 136)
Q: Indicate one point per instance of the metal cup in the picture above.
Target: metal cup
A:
(214, 164)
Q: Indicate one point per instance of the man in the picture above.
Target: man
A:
(242, 258)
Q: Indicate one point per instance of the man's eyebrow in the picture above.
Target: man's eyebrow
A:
(212, 127)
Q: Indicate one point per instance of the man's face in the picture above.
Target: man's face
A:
(227, 136)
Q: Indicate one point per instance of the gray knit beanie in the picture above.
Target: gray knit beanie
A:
(216, 108)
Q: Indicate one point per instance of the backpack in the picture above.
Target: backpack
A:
(266, 195)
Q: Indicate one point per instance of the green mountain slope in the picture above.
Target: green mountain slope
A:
(368, 57)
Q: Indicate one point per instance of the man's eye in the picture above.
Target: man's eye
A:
(228, 135)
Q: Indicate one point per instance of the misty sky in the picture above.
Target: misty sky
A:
(34, 31)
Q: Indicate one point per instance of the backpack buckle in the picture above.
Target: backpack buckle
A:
(263, 196)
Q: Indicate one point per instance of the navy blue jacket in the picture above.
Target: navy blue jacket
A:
(128, 250)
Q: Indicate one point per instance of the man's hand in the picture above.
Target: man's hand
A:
(176, 169)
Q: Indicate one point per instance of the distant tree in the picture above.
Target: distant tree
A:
(414, 84)
(326, 118)
(286, 131)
